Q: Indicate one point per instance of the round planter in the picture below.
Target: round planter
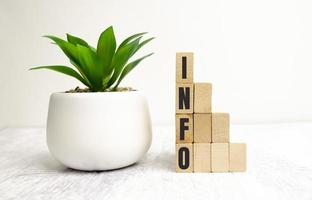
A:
(98, 131)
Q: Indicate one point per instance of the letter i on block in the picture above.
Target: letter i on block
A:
(184, 67)
(184, 157)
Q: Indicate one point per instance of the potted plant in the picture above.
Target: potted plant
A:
(101, 127)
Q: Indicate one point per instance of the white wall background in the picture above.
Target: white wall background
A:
(257, 54)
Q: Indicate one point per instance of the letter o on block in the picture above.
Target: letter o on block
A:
(184, 157)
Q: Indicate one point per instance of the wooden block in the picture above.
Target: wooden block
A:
(237, 157)
(219, 157)
(184, 157)
(202, 97)
(184, 128)
(184, 98)
(202, 128)
(184, 67)
(202, 158)
(220, 129)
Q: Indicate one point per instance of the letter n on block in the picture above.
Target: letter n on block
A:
(184, 98)
(184, 157)
(184, 128)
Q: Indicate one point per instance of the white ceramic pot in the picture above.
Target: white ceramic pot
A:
(98, 131)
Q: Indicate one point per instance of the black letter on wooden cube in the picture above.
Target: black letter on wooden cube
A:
(184, 155)
(184, 97)
(183, 127)
(184, 67)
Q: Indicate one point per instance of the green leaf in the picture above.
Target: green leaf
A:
(132, 37)
(72, 53)
(69, 49)
(65, 70)
(143, 43)
(130, 67)
(106, 48)
(76, 40)
(121, 58)
(100, 68)
(93, 65)
(83, 73)
(106, 79)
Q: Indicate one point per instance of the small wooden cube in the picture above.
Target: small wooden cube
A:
(202, 97)
(184, 98)
(219, 157)
(184, 157)
(220, 130)
(202, 155)
(184, 67)
(184, 128)
(202, 128)
(237, 157)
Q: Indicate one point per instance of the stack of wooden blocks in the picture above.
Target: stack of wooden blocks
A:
(202, 137)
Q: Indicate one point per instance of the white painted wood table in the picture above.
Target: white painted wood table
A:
(279, 167)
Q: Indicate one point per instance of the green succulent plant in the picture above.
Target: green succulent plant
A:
(101, 68)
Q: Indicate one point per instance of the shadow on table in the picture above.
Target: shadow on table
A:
(164, 161)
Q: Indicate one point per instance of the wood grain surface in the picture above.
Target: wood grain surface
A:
(279, 167)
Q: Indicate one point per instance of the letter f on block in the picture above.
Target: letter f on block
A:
(183, 127)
